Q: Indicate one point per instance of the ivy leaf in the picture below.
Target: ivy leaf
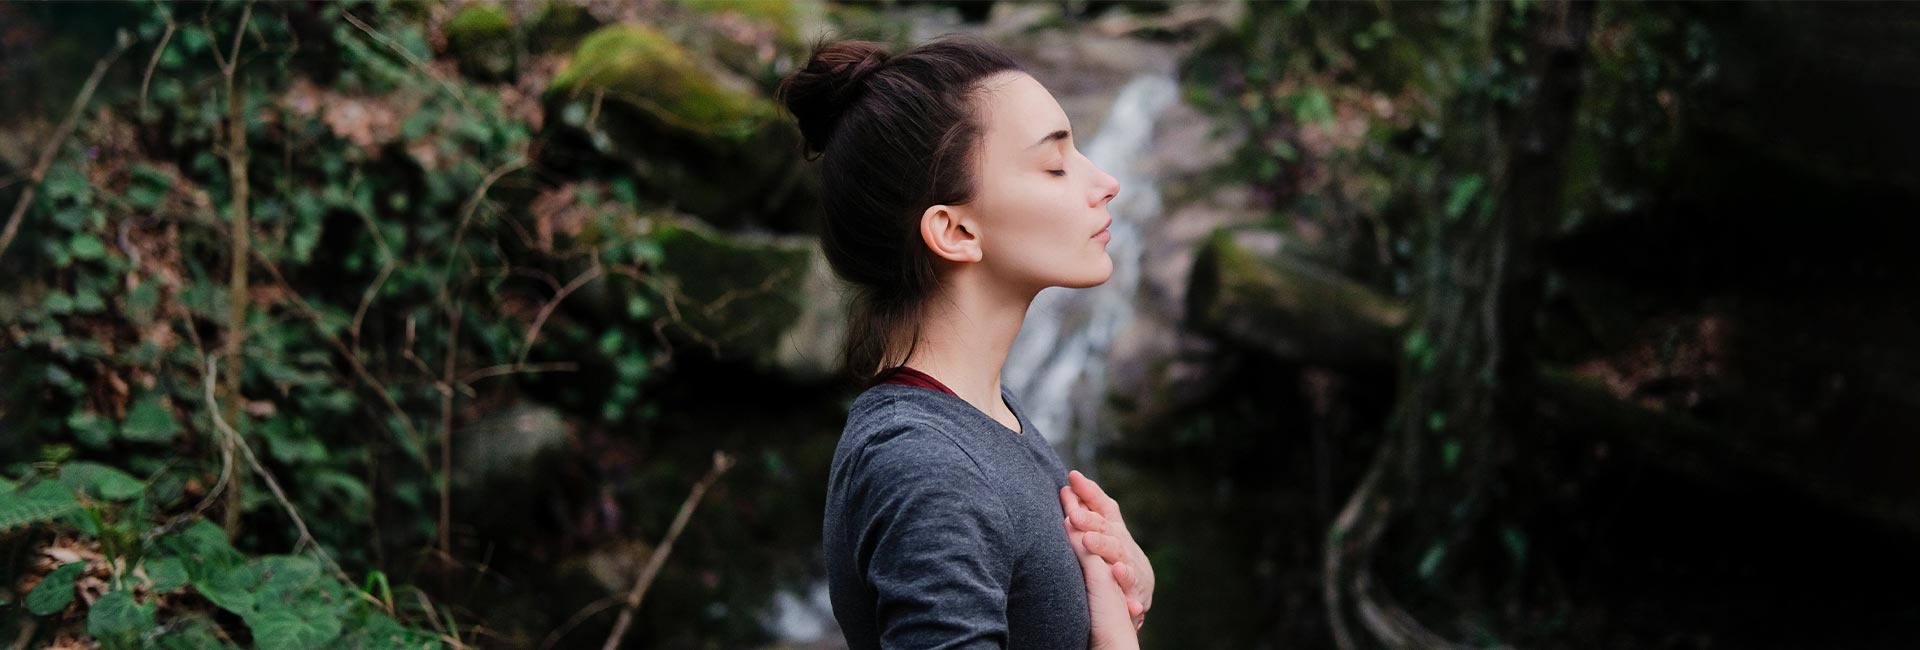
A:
(289, 629)
(85, 246)
(167, 574)
(90, 429)
(149, 421)
(116, 621)
(54, 591)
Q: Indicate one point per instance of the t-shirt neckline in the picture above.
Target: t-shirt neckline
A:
(1006, 397)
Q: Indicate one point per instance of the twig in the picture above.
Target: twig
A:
(721, 463)
(411, 59)
(123, 40)
(516, 368)
(574, 621)
(233, 438)
(466, 217)
(154, 62)
(386, 268)
(533, 331)
(359, 369)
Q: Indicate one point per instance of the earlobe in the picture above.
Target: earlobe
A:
(949, 239)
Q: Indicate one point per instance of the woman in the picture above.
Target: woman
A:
(953, 195)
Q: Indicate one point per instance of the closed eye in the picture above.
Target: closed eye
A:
(1057, 172)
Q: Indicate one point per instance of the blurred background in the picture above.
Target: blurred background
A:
(503, 325)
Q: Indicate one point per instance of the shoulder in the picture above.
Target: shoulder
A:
(896, 439)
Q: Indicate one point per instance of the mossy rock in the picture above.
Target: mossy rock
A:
(481, 38)
(766, 299)
(689, 133)
(1250, 287)
(784, 25)
(637, 65)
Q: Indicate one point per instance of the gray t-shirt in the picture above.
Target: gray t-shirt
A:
(943, 529)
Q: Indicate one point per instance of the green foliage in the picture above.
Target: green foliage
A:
(41, 502)
(55, 590)
(367, 238)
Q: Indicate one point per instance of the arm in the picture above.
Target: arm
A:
(935, 546)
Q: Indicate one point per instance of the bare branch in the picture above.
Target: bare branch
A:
(721, 463)
(48, 151)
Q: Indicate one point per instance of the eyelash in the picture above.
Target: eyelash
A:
(1057, 172)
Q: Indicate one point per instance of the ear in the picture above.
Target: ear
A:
(948, 235)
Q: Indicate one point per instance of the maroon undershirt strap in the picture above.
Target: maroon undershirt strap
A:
(909, 377)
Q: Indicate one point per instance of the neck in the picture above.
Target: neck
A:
(965, 334)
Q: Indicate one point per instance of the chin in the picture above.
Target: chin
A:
(1097, 275)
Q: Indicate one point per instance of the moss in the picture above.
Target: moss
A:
(638, 65)
(741, 292)
(481, 38)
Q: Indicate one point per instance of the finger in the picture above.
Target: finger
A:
(1070, 499)
(1136, 610)
(1087, 520)
(1106, 547)
(1123, 574)
(1091, 494)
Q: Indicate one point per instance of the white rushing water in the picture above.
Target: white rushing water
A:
(1058, 364)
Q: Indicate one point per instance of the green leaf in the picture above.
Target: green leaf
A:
(149, 421)
(1430, 562)
(58, 302)
(54, 591)
(141, 303)
(90, 428)
(116, 621)
(1462, 194)
(167, 574)
(100, 481)
(85, 246)
(44, 501)
(290, 630)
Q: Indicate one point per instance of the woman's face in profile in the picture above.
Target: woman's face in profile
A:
(1040, 202)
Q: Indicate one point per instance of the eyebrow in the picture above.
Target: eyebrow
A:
(1050, 137)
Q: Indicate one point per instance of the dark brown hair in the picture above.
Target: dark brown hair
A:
(890, 135)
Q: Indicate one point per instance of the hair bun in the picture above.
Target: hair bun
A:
(834, 77)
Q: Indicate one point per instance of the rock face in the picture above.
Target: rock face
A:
(1252, 288)
(683, 127)
(770, 300)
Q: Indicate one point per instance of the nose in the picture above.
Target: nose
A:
(1106, 189)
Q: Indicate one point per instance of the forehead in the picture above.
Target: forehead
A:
(1017, 111)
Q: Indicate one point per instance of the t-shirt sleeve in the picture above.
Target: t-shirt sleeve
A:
(935, 546)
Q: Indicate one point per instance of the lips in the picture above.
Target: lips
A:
(1103, 227)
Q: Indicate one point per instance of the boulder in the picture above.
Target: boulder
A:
(690, 133)
(770, 300)
(1251, 287)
